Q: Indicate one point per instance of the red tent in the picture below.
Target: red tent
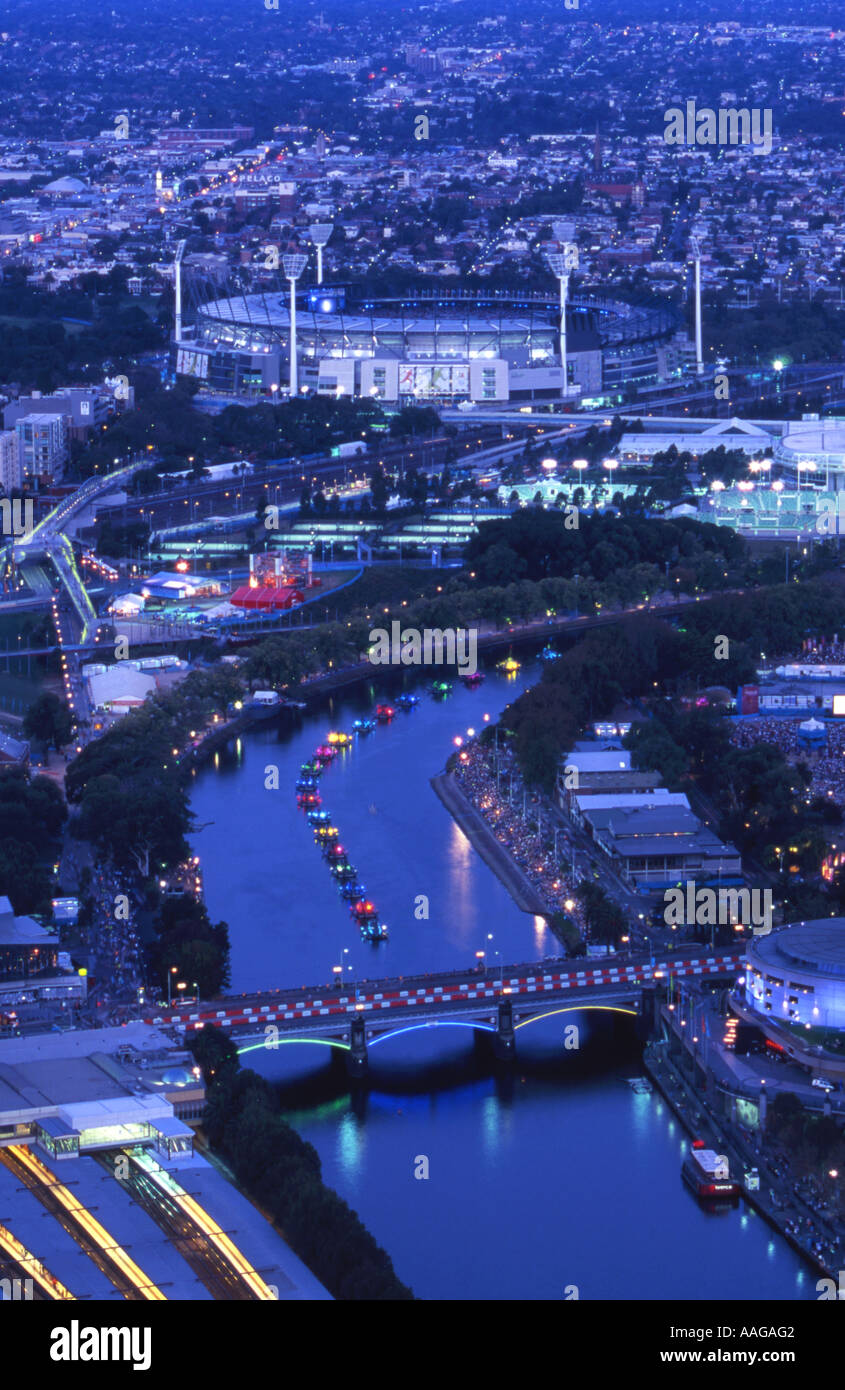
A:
(264, 599)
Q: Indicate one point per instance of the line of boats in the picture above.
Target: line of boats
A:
(327, 835)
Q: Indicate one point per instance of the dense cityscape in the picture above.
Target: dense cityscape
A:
(422, 607)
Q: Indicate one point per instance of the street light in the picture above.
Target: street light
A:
(172, 971)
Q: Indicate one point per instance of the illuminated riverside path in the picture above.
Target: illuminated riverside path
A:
(544, 1173)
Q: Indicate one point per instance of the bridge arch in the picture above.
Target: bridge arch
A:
(576, 1009)
(266, 1046)
(432, 1023)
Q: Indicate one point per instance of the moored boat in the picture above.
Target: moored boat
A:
(708, 1174)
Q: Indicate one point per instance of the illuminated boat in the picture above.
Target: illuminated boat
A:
(325, 753)
(352, 889)
(440, 688)
(310, 769)
(407, 701)
(475, 679)
(365, 913)
(325, 833)
(338, 740)
(309, 800)
(374, 930)
(363, 726)
(708, 1173)
(334, 852)
(384, 713)
(306, 784)
(549, 654)
(344, 871)
(509, 666)
(319, 818)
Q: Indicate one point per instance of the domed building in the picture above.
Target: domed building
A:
(812, 452)
(797, 975)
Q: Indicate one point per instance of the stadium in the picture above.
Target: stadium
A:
(797, 976)
(436, 345)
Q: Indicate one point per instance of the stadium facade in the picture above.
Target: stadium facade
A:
(444, 346)
(797, 976)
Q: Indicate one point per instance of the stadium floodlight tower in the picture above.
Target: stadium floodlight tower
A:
(293, 264)
(696, 255)
(561, 264)
(320, 233)
(177, 290)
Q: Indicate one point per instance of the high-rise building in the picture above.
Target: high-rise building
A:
(11, 471)
(43, 447)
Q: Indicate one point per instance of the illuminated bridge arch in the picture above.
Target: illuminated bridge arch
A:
(271, 1044)
(577, 1009)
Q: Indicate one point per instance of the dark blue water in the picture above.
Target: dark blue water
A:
(544, 1176)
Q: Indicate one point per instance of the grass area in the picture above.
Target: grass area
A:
(388, 584)
(16, 321)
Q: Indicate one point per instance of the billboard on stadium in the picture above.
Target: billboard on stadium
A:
(839, 705)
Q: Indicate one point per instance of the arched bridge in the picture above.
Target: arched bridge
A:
(500, 1005)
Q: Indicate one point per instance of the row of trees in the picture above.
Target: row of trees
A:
(537, 544)
(129, 790)
(31, 817)
(282, 1172)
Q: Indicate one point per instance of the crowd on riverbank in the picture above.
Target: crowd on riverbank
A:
(826, 764)
(516, 820)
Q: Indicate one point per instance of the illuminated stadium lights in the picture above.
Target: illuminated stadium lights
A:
(561, 263)
(699, 359)
(293, 264)
(320, 233)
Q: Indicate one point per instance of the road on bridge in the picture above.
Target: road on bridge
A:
(434, 994)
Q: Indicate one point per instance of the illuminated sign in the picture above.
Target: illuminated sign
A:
(191, 363)
(839, 704)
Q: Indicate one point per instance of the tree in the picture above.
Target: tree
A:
(49, 720)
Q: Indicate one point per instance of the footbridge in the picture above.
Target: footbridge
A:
(378, 1010)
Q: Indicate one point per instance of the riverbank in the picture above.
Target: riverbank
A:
(484, 842)
(699, 1121)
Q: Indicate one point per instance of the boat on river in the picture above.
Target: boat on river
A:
(708, 1174)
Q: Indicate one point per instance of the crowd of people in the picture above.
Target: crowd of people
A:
(516, 818)
(825, 763)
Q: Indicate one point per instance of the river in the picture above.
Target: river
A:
(543, 1179)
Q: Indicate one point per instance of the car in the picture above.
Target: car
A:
(823, 1083)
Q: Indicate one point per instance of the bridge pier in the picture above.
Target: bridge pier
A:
(648, 1023)
(357, 1058)
(504, 1042)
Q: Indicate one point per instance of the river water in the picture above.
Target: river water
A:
(543, 1178)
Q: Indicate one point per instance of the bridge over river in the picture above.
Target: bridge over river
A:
(377, 1010)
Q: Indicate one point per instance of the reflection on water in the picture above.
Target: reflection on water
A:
(542, 1174)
